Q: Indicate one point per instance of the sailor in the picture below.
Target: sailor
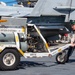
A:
(20, 4)
(72, 47)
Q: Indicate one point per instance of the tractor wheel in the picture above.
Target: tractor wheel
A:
(61, 58)
(9, 59)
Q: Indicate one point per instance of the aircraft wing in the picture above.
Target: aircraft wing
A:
(15, 11)
(6, 14)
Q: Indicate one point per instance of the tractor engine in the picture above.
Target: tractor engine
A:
(34, 41)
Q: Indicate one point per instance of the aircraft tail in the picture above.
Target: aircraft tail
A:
(46, 7)
(38, 7)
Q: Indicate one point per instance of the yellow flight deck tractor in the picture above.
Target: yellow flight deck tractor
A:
(24, 40)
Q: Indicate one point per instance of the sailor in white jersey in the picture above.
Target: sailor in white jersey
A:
(72, 47)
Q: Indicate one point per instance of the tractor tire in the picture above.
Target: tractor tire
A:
(61, 58)
(9, 59)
